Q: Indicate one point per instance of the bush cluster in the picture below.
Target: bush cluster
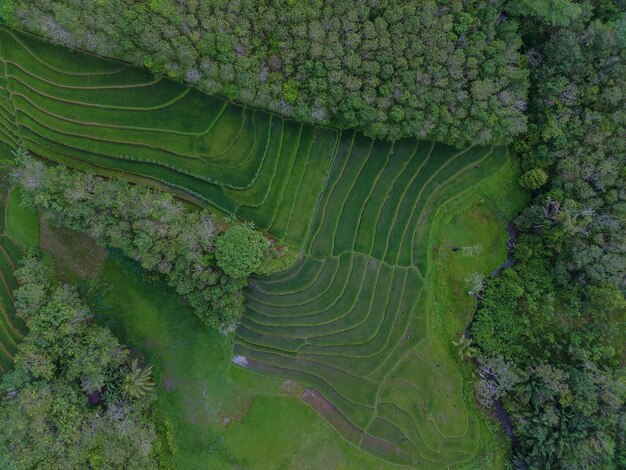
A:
(64, 363)
(153, 229)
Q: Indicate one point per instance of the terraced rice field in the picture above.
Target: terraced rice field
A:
(116, 119)
(12, 328)
(351, 319)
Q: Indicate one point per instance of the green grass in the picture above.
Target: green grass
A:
(22, 223)
(20, 230)
(366, 319)
(198, 389)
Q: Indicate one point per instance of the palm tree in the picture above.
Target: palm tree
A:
(20, 153)
(138, 381)
(466, 348)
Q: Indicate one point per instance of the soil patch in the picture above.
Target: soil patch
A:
(242, 407)
(75, 254)
(384, 448)
(331, 414)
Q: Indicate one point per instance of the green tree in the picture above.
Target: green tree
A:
(240, 251)
(153, 228)
(52, 414)
(465, 347)
(552, 12)
(557, 315)
(7, 12)
(533, 179)
(137, 382)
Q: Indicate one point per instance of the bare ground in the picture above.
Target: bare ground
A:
(73, 252)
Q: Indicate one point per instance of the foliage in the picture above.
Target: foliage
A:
(496, 377)
(137, 382)
(393, 68)
(7, 11)
(556, 317)
(475, 283)
(465, 347)
(533, 179)
(240, 251)
(552, 12)
(152, 228)
(280, 258)
(471, 251)
(46, 420)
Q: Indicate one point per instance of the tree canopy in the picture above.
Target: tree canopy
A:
(555, 320)
(154, 229)
(64, 404)
(450, 70)
(240, 251)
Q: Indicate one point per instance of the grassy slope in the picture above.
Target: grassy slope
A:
(22, 223)
(467, 221)
(19, 230)
(198, 389)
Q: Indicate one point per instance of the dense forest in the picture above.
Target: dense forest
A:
(75, 395)
(545, 76)
(550, 329)
(393, 68)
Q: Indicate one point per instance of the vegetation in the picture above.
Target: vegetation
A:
(369, 325)
(448, 71)
(219, 415)
(137, 382)
(152, 228)
(64, 400)
(376, 207)
(240, 251)
(22, 223)
(15, 220)
(119, 121)
(534, 179)
(553, 323)
(351, 320)
(348, 334)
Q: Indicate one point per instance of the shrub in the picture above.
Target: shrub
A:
(154, 229)
(533, 179)
(240, 251)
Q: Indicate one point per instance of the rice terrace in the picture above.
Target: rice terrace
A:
(351, 335)
(349, 319)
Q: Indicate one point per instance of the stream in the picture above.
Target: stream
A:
(500, 412)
